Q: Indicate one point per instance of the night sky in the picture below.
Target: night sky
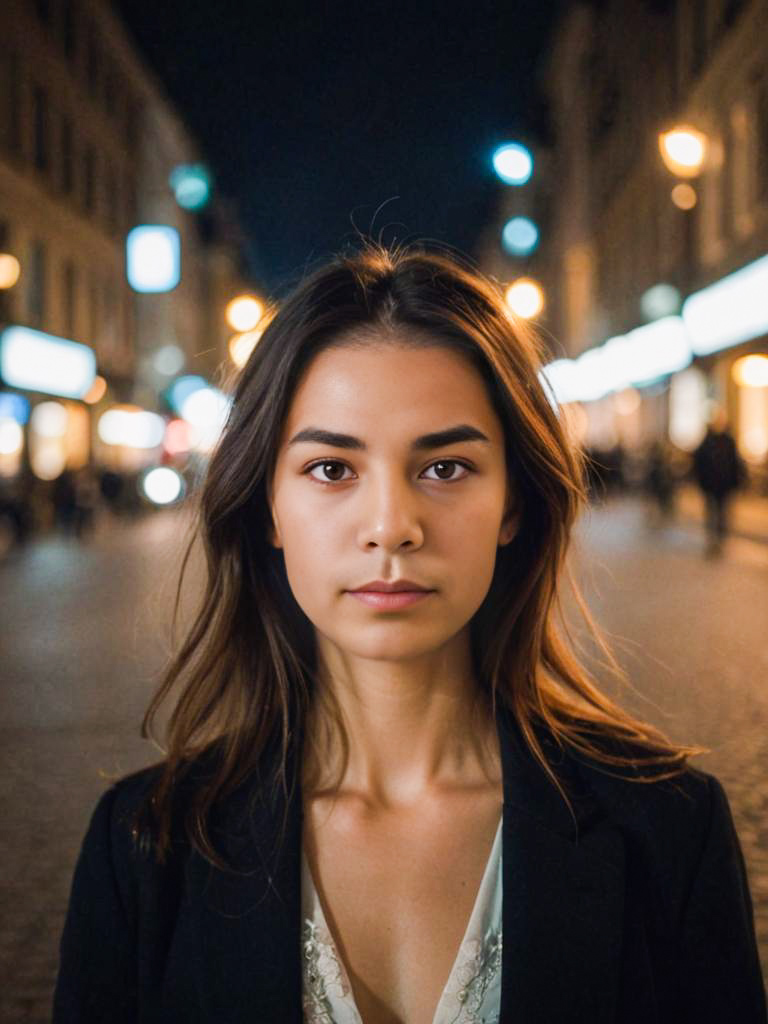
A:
(314, 116)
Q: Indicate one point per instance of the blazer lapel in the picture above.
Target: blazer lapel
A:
(247, 926)
(563, 886)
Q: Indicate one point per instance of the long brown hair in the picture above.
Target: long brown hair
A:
(245, 669)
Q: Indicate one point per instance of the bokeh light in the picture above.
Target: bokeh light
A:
(191, 184)
(525, 297)
(244, 312)
(660, 300)
(10, 270)
(683, 150)
(513, 163)
(168, 360)
(520, 236)
(162, 485)
(684, 196)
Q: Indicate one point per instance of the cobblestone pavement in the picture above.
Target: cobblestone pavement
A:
(83, 633)
(691, 634)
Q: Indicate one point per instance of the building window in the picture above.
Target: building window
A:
(726, 180)
(95, 313)
(731, 11)
(43, 10)
(699, 38)
(40, 119)
(93, 61)
(10, 101)
(69, 282)
(131, 200)
(69, 28)
(110, 91)
(761, 139)
(67, 156)
(112, 185)
(36, 296)
(132, 116)
(89, 179)
(741, 167)
(5, 303)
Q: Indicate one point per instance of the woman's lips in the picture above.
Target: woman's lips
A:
(390, 601)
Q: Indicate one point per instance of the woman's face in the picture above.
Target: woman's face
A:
(380, 507)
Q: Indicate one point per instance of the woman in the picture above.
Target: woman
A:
(391, 792)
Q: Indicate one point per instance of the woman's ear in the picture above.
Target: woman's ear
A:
(510, 524)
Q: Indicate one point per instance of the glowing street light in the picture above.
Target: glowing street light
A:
(683, 150)
(10, 270)
(525, 297)
(244, 312)
(513, 163)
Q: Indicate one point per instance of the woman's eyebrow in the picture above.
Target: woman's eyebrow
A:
(438, 439)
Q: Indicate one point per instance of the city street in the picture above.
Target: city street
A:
(84, 635)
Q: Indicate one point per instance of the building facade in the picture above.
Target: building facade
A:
(88, 141)
(651, 258)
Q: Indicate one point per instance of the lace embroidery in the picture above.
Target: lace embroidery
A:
(478, 964)
(476, 968)
(323, 974)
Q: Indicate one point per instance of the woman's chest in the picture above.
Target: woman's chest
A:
(397, 893)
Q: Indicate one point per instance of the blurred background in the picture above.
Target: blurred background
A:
(168, 171)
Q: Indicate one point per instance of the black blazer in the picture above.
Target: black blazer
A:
(637, 912)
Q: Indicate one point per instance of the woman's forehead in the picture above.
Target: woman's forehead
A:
(366, 380)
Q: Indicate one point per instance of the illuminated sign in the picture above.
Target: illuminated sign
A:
(153, 258)
(636, 358)
(35, 361)
(733, 310)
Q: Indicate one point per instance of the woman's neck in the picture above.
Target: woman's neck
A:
(411, 733)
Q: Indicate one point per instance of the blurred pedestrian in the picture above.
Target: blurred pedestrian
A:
(660, 481)
(86, 501)
(65, 501)
(111, 488)
(719, 471)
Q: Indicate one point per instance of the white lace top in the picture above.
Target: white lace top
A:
(473, 991)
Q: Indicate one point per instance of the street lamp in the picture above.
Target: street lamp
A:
(244, 312)
(683, 150)
(10, 270)
(525, 298)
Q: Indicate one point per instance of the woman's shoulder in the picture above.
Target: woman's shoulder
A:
(664, 808)
(121, 808)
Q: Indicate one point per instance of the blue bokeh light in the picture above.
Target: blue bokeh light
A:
(520, 236)
(191, 184)
(513, 163)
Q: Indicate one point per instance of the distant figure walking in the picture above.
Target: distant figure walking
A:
(719, 471)
(660, 481)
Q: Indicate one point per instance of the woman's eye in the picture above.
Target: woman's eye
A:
(337, 468)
